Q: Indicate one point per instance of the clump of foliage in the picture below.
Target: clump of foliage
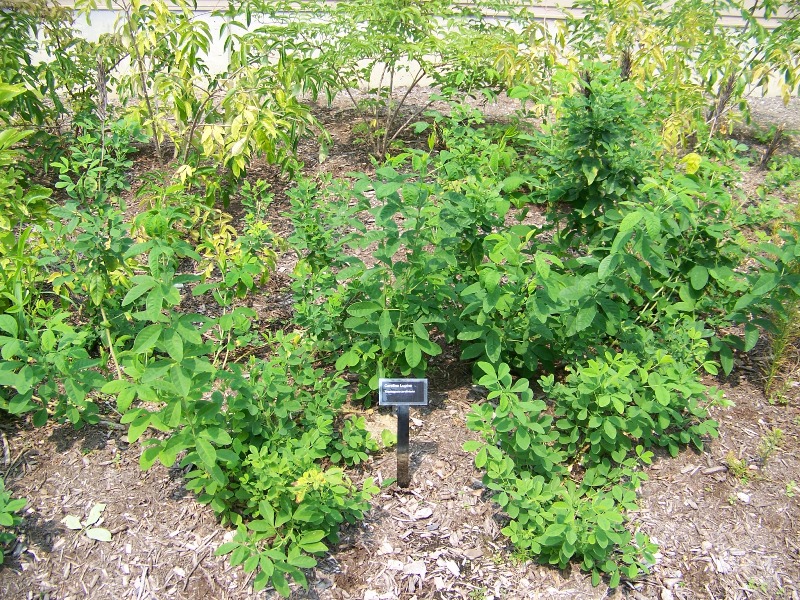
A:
(599, 148)
(678, 51)
(631, 308)
(9, 519)
(379, 53)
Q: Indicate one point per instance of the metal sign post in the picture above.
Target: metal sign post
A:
(402, 393)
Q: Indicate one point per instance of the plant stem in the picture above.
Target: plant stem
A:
(110, 344)
(143, 82)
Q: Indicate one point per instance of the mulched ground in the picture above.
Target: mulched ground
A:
(721, 534)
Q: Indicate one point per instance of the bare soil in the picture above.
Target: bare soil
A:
(721, 534)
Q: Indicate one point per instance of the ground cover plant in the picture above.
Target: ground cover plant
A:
(590, 330)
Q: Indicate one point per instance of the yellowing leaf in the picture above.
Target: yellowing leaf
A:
(692, 162)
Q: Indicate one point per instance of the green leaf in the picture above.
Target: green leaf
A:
(137, 291)
(147, 339)
(250, 564)
(348, 359)
(387, 189)
(385, 324)
(303, 561)
(40, 417)
(174, 344)
(751, 334)
(428, 347)
(226, 548)
(125, 399)
(206, 452)
(99, 533)
(765, 283)
(471, 332)
(585, 317)
(261, 526)
(280, 584)
(698, 277)
(726, 358)
(609, 430)
(493, 346)
(181, 381)
(153, 304)
(472, 446)
(630, 221)
(363, 309)
(138, 426)
(743, 302)
(115, 386)
(149, 457)
(590, 168)
(217, 435)
(421, 331)
(512, 182)
(523, 438)
(607, 266)
(413, 354)
(261, 580)
(662, 394)
(9, 325)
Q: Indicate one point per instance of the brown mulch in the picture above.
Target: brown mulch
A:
(719, 535)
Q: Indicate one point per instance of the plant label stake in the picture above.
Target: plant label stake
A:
(402, 393)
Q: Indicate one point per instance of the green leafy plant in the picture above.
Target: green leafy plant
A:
(608, 405)
(393, 305)
(737, 467)
(683, 53)
(46, 369)
(253, 440)
(769, 443)
(22, 206)
(598, 150)
(281, 542)
(88, 526)
(65, 79)
(355, 442)
(9, 507)
(552, 518)
(791, 489)
(96, 165)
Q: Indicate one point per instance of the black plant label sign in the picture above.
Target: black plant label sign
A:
(402, 393)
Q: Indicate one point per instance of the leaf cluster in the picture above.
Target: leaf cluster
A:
(9, 519)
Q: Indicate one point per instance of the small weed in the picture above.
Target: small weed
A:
(791, 489)
(477, 593)
(9, 519)
(732, 500)
(755, 584)
(94, 518)
(784, 172)
(737, 468)
(769, 443)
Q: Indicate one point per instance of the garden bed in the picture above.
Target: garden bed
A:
(725, 520)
